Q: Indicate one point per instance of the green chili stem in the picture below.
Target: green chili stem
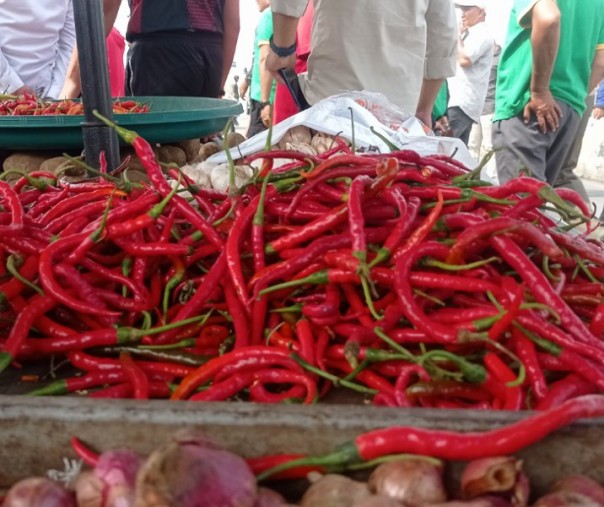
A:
(337, 381)
(13, 270)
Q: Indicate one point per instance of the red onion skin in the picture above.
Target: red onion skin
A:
(582, 485)
(334, 490)
(476, 502)
(38, 492)
(566, 499)
(269, 498)
(190, 475)
(414, 481)
(379, 501)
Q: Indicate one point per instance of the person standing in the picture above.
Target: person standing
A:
(36, 40)
(468, 87)
(403, 50)
(598, 111)
(262, 84)
(284, 102)
(177, 48)
(480, 142)
(554, 54)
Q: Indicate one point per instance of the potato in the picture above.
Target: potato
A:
(171, 155)
(23, 162)
(55, 164)
(190, 147)
(206, 151)
(234, 139)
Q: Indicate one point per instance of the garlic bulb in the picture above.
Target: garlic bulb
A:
(219, 177)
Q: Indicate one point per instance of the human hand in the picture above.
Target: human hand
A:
(441, 126)
(274, 64)
(265, 116)
(598, 113)
(425, 117)
(545, 109)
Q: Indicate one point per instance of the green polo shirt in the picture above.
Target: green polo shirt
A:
(264, 30)
(581, 34)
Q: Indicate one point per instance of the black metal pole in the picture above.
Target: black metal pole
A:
(90, 35)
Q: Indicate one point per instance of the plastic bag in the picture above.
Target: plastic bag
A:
(335, 116)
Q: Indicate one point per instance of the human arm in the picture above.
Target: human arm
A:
(230, 37)
(244, 87)
(597, 75)
(72, 86)
(441, 52)
(286, 15)
(427, 97)
(266, 85)
(545, 39)
(65, 47)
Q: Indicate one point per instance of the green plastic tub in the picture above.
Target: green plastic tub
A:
(169, 119)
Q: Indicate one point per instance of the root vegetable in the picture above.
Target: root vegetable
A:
(38, 492)
(566, 499)
(501, 475)
(219, 177)
(269, 498)
(191, 472)
(321, 142)
(582, 485)
(206, 151)
(199, 173)
(190, 147)
(379, 501)
(234, 139)
(491, 501)
(335, 490)
(111, 483)
(171, 155)
(412, 481)
(296, 135)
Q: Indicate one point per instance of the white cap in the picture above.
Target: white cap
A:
(481, 4)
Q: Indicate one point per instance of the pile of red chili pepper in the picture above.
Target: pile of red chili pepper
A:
(30, 105)
(398, 276)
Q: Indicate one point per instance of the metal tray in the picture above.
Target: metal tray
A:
(35, 432)
(169, 119)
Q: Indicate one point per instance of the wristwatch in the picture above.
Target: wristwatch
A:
(264, 104)
(281, 52)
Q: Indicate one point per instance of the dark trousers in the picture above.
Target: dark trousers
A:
(187, 64)
(567, 177)
(459, 123)
(521, 146)
(256, 124)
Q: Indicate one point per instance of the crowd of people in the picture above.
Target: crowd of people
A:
(528, 99)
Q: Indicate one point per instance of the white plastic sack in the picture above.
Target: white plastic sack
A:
(333, 116)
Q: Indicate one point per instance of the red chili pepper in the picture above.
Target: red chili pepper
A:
(512, 395)
(136, 376)
(37, 306)
(525, 349)
(422, 231)
(206, 372)
(145, 153)
(238, 314)
(259, 465)
(12, 204)
(85, 453)
(542, 290)
(570, 387)
(201, 296)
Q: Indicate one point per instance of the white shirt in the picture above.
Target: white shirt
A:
(386, 46)
(36, 40)
(468, 88)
